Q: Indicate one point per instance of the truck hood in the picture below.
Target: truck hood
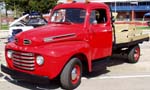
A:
(49, 34)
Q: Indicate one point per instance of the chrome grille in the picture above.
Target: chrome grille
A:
(23, 60)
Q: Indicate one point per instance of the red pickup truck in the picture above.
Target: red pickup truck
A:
(77, 35)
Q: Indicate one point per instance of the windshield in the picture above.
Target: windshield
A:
(37, 21)
(69, 15)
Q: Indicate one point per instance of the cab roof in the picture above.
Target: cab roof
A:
(81, 5)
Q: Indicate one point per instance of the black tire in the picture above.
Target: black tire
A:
(148, 23)
(134, 54)
(66, 78)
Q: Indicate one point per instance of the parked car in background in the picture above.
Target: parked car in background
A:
(147, 18)
(24, 23)
(36, 20)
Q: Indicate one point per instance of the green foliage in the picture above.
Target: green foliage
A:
(143, 28)
(4, 27)
(42, 6)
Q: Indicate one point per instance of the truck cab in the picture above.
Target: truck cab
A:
(94, 20)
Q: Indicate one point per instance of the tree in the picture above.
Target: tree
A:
(42, 6)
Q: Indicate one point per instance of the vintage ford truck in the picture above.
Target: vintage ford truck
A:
(77, 35)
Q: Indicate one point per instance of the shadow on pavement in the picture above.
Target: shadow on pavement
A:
(113, 61)
(28, 85)
(1, 75)
(117, 59)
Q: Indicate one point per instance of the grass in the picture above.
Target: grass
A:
(143, 28)
(4, 27)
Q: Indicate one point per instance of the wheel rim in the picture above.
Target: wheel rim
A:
(136, 54)
(75, 74)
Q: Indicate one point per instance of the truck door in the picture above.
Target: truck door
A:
(101, 33)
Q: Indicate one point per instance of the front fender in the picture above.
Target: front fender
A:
(56, 56)
(62, 53)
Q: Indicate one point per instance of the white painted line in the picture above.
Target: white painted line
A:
(120, 77)
(123, 77)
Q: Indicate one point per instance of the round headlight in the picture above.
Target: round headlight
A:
(39, 60)
(9, 53)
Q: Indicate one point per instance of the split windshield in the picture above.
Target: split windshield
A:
(70, 15)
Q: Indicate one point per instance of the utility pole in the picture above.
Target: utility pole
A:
(0, 16)
(6, 14)
(115, 6)
(15, 11)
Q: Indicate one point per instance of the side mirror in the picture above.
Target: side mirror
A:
(113, 19)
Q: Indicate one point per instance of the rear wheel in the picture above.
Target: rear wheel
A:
(134, 54)
(70, 77)
(148, 23)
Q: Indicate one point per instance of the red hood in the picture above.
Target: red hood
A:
(50, 33)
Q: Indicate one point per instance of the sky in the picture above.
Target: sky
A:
(2, 9)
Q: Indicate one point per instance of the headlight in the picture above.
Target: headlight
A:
(9, 53)
(39, 60)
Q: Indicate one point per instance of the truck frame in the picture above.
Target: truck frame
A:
(66, 49)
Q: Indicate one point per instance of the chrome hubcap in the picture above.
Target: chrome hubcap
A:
(74, 74)
(136, 54)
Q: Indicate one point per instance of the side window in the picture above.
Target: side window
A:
(93, 17)
(98, 16)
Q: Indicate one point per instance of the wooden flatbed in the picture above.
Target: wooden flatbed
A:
(126, 36)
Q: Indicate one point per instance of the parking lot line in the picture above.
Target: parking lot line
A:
(120, 77)
(124, 76)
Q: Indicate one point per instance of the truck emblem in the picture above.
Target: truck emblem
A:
(26, 42)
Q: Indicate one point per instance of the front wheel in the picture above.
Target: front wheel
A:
(134, 54)
(70, 77)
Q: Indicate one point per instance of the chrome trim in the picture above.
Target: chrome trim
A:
(23, 61)
(22, 57)
(62, 37)
(25, 68)
(65, 35)
(22, 64)
(49, 39)
(24, 54)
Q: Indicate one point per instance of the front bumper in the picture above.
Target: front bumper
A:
(24, 76)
